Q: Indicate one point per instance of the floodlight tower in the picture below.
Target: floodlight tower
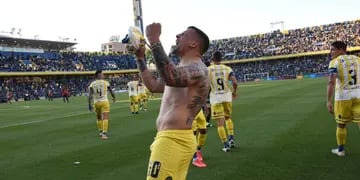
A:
(138, 16)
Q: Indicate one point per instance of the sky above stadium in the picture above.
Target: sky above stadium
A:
(92, 22)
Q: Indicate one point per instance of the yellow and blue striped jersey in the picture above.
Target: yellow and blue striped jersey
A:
(219, 78)
(100, 90)
(133, 88)
(347, 69)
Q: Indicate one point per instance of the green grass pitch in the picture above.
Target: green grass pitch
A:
(283, 132)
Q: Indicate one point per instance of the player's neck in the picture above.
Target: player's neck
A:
(189, 57)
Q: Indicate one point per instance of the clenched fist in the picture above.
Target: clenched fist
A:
(153, 32)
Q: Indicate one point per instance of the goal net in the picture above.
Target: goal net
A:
(256, 76)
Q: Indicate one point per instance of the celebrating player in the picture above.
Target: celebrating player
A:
(133, 96)
(185, 88)
(98, 101)
(344, 84)
(143, 96)
(221, 96)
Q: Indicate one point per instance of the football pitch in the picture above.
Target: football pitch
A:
(282, 129)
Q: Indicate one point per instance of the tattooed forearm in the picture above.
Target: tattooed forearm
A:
(153, 83)
(141, 65)
(161, 59)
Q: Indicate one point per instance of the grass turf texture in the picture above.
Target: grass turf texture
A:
(283, 131)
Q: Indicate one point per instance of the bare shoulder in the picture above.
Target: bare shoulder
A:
(197, 68)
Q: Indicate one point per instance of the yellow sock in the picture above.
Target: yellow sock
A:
(341, 136)
(229, 126)
(131, 108)
(145, 104)
(222, 133)
(105, 125)
(99, 125)
(201, 139)
(136, 107)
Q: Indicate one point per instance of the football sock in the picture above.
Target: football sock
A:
(341, 137)
(136, 107)
(105, 125)
(132, 108)
(145, 104)
(201, 139)
(230, 128)
(99, 124)
(222, 133)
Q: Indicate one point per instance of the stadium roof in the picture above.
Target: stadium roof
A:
(33, 43)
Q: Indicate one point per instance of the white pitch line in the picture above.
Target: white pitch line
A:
(66, 116)
(44, 120)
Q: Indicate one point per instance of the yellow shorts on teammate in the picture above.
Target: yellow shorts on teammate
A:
(347, 111)
(101, 107)
(171, 154)
(143, 96)
(134, 99)
(221, 110)
(199, 121)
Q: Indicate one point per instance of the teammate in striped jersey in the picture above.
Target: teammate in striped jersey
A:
(221, 96)
(98, 101)
(344, 87)
(133, 96)
(143, 96)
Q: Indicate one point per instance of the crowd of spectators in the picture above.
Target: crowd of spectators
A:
(37, 87)
(280, 69)
(294, 41)
(74, 61)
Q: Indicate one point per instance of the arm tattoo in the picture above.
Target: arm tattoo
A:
(172, 75)
(161, 59)
(141, 65)
(153, 83)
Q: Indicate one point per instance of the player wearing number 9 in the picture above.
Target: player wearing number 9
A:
(221, 95)
(344, 87)
(98, 98)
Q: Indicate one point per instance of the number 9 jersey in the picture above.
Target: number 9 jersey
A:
(347, 69)
(219, 83)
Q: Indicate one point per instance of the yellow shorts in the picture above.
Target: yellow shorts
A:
(144, 96)
(347, 111)
(221, 110)
(133, 99)
(199, 121)
(171, 154)
(101, 107)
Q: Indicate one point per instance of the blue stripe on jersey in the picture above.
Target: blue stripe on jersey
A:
(332, 70)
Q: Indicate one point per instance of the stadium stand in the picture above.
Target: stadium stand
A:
(31, 67)
(296, 41)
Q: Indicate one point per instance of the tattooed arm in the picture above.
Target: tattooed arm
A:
(154, 84)
(182, 76)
